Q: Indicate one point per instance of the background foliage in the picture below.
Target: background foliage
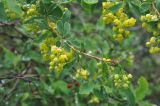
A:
(25, 78)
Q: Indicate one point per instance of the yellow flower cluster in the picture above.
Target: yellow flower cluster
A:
(100, 67)
(119, 20)
(154, 50)
(52, 25)
(57, 56)
(149, 17)
(94, 99)
(122, 81)
(82, 73)
(11, 14)
(154, 30)
(152, 44)
(33, 28)
(45, 47)
(32, 10)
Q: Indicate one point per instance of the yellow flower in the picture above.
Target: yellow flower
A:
(31, 11)
(63, 58)
(94, 99)
(82, 73)
(154, 50)
(57, 56)
(144, 25)
(116, 76)
(158, 25)
(125, 85)
(148, 17)
(52, 25)
(121, 30)
(143, 18)
(118, 37)
(129, 22)
(108, 18)
(117, 22)
(125, 77)
(43, 47)
(148, 43)
(152, 40)
(155, 33)
(106, 5)
(129, 76)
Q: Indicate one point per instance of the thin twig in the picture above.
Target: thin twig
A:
(23, 75)
(18, 76)
(93, 57)
(8, 95)
(155, 9)
(23, 34)
(13, 23)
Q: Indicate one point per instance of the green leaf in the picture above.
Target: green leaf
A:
(67, 28)
(91, 1)
(87, 7)
(25, 96)
(66, 16)
(51, 10)
(115, 8)
(41, 23)
(142, 89)
(12, 4)
(130, 97)
(61, 85)
(134, 9)
(65, 1)
(86, 88)
(135, 2)
(60, 26)
(145, 7)
(64, 29)
(40, 38)
(92, 66)
(148, 1)
(108, 89)
(55, 12)
(145, 103)
(82, 47)
(32, 55)
(11, 58)
(48, 89)
(157, 4)
(2, 12)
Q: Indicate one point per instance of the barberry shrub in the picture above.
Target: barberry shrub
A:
(76, 52)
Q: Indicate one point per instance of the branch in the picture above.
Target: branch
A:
(155, 9)
(9, 94)
(23, 75)
(25, 36)
(13, 23)
(18, 76)
(93, 57)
